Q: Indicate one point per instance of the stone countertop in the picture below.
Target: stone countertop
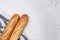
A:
(44, 17)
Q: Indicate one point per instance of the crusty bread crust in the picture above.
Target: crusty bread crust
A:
(10, 27)
(19, 27)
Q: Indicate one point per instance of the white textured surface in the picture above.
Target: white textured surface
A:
(44, 17)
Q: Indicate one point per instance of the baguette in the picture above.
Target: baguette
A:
(19, 27)
(10, 27)
(0, 38)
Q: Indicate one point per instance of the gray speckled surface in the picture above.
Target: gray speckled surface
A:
(44, 17)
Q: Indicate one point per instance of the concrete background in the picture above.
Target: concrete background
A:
(44, 17)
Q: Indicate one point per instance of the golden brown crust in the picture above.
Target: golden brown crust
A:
(0, 38)
(19, 28)
(10, 27)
